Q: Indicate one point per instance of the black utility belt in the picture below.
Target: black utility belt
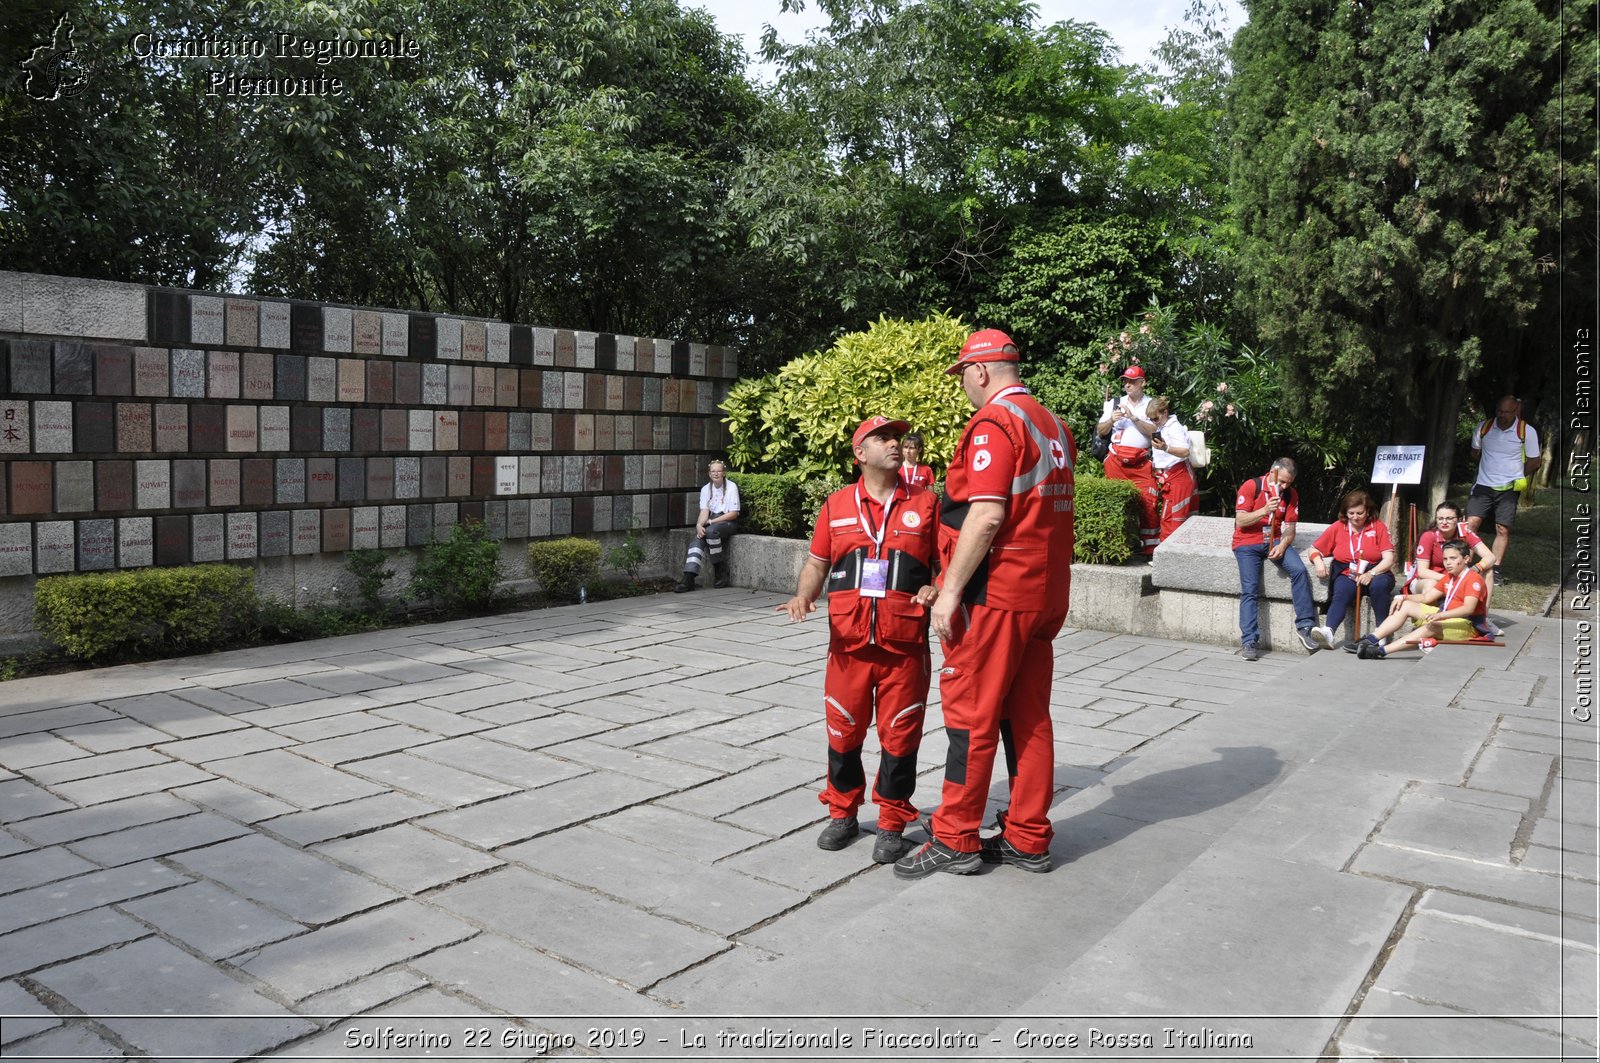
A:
(906, 573)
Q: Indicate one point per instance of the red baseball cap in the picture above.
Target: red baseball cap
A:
(1133, 372)
(878, 424)
(986, 345)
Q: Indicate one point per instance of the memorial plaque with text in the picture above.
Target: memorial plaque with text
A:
(482, 476)
(366, 430)
(256, 375)
(529, 388)
(188, 379)
(242, 435)
(594, 391)
(435, 476)
(276, 325)
(435, 384)
(274, 531)
(321, 479)
(461, 483)
(445, 516)
(307, 531)
(622, 428)
(506, 477)
(544, 346)
(352, 479)
(421, 430)
(538, 517)
(352, 380)
(289, 378)
(16, 428)
(242, 328)
(30, 366)
(336, 428)
(614, 392)
(208, 429)
(396, 335)
(652, 395)
(407, 477)
(505, 388)
(573, 388)
(585, 350)
(305, 328)
(290, 481)
(136, 542)
(135, 433)
(566, 348)
(517, 518)
(494, 517)
(407, 384)
(550, 475)
(74, 368)
(460, 392)
(305, 429)
(206, 538)
(396, 431)
(113, 370)
(337, 326)
(172, 540)
(392, 526)
(519, 432)
(605, 432)
(496, 434)
(222, 371)
(322, 379)
(241, 536)
(367, 337)
(380, 381)
(419, 525)
(224, 481)
(449, 339)
(528, 475)
(172, 428)
(74, 486)
(474, 342)
(561, 516)
(583, 431)
(336, 530)
(633, 473)
(52, 427)
(471, 434)
(446, 430)
(16, 549)
(543, 432)
(497, 337)
(363, 527)
(55, 546)
(208, 320)
(188, 483)
(423, 337)
(152, 484)
(380, 479)
(257, 482)
(113, 482)
(483, 386)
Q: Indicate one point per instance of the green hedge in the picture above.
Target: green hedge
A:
(1107, 524)
(564, 566)
(145, 612)
(769, 503)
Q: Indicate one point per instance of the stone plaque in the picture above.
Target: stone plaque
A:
(206, 541)
(633, 473)
(697, 359)
(241, 536)
(585, 350)
(305, 429)
(136, 542)
(172, 540)
(566, 352)
(519, 433)
(224, 481)
(134, 428)
(256, 375)
(55, 546)
(305, 531)
(505, 388)
(74, 368)
(392, 526)
(575, 385)
(623, 431)
(614, 392)
(366, 430)
(552, 390)
(446, 430)
(188, 379)
(289, 479)
(352, 380)
(188, 483)
(208, 321)
(497, 341)
(435, 475)
(544, 346)
(52, 427)
(543, 425)
(30, 367)
(74, 486)
(605, 352)
(561, 516)
(506, 478)
(395, 431)
(322, 379)
(528, 388)
(472, 430)
(289, 378)
(527, 475)
(16, 428)
(605, 432)
(208, 429)
(599, 514)
(168, 316)
(242, 436)
(274, 428)
(336, 529)
(460, 477)
(113, 370)
(321, 479)
(16, 549)
(396, 335)
(337, 324)
(423, 336)
(565, 430)
(483, 386)
(172, 428)
(336, 428)
(663, 357)
(652, 472)
(363, 527)
(494, 433)
(474, 342)
(305, 328)
(407, 477)
(583, 431)
(494, 518)
(652, 395)
(407, 383)
(460, 392)
(113, 485)
(352, 479)
(274, 530)
(626, 345)
(538, 518)
(256, 482)
(242, 330)
(482, 482)
(380, 479)
(419, 525)
(594, 473)
(449, 333)
(152, 485)
(521, 345)
(275, 325)
(420, 436)
(633, 394)
(550, 475)
(517, 518)
(435, 384)
(380, 381)
(445, 516)
(222, 371)
(367, 335)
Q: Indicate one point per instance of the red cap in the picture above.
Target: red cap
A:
(985, 345)
(877, 424)
(1133, 372)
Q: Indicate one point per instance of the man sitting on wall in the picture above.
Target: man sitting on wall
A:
(719, 514)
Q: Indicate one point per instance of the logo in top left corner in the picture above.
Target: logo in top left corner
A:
(57, 70)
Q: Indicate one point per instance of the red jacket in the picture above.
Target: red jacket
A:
(842, 540)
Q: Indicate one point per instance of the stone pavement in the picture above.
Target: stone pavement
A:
(589, 832)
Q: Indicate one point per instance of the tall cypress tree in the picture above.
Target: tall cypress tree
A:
(1398, 182)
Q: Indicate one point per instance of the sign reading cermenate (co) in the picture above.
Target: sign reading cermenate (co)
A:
(1398, 465)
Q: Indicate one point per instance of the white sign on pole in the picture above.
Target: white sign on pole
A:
(1398, 465)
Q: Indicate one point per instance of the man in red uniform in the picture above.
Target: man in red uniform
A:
(1130, 428)
(874, 547)
(1005, 543)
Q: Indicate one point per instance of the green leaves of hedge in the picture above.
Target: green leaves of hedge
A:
(146, 612)
(1107, 513)
(563, 566)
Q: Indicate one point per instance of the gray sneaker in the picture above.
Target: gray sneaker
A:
(838, 833)
(936, 856)
(1307, 641)
(890, 846)
(1250, 653)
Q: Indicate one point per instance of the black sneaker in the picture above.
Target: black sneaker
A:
(890, 846)
(1355, 647)
(936, 856)
(998, 850)
(685, 583)
(1250, 652)
(838, 833)
(1307, 641)
(1370, 651)
(721, 579)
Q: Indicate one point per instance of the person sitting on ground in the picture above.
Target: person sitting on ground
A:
(913, 474)
(1170, 456)
(1462, 597)
(719, 513)
(1362, 562)
(1429, 561)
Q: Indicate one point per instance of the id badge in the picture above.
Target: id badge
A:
(874, 578)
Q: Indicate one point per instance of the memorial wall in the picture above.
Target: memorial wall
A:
(153, 426)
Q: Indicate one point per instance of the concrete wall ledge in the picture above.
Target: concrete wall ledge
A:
(1199, 557)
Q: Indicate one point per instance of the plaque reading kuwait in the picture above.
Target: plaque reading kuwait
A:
(206, 538)
(136, 542)
(507, 478)
(152, 485)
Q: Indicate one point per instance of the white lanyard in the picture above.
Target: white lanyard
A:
(866, 526)
(1450, 591)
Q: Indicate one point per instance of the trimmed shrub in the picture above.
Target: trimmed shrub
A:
(1107, 523)
(147, 612)
(815, 492)
(769, 503)
(460, 571)
(564, 566)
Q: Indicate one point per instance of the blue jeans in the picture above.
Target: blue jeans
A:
(1343, 595)
(1251, 557)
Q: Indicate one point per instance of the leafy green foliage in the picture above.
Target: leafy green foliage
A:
(769, 503)
(460, 571)
(801, 418)
(1106, 521)
(564, 566)
(813, 493)
(628, 555)
(157, 611)
(372, 573)
(282, 622)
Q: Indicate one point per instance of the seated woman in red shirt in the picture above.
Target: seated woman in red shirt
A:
(1361, 555)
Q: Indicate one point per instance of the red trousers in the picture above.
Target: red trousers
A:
(1177, 497)
(994, 688)
(1126, 463)
(891, 685)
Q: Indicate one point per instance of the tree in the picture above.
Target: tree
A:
(1396, 182)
